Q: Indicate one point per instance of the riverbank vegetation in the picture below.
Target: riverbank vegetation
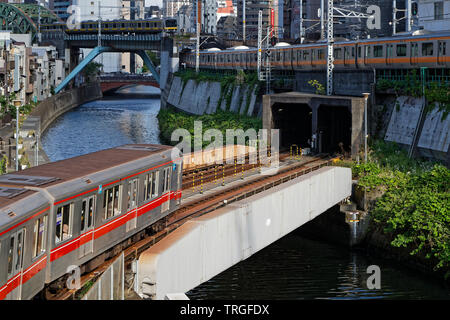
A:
(170, 120)
(413, 203)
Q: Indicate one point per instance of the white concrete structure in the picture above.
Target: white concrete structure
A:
(434, 15)
(205, 246)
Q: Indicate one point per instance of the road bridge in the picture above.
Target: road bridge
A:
(114, 82)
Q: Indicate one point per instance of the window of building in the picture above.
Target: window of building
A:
(64, 223)
(401, 50)
(378, 51)
(427, 49)
(111, 202)
(439, 10)
(39, 235)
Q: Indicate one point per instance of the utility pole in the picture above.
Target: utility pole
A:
(330, 41)
(39, 22)
(394, 17)
(197, 45)
(268, 62)
(322, 19)
(243, 21)
(259, 43)
(408, 15)
(300, 21)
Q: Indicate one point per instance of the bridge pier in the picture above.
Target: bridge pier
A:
(316, 121)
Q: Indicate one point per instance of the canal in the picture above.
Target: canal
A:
(294, 267)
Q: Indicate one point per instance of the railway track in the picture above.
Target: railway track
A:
(201, 206)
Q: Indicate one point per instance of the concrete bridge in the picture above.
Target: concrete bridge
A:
(205, 246)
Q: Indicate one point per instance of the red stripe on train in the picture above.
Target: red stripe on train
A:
(108, 227)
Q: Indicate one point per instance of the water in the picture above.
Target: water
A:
(103, 124)
(292, 268)
(295, 267)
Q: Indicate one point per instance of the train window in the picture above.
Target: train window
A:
(11, 255)
(305, 55)
(111, 202)
(414, 49)
(401, 50)
(166, 179)
(147, 25)
(39, 233)
(378, 51)
(63, 222)
(353, 52)
(148, 185)
(87, 213)
(132, 193)
(359, 52)
(321, 54)
(389, 50)
(427, 49)
(338, 53)
(19, 249)
(278, 56)
(442, 48)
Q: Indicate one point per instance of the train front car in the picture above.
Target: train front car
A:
(95, 204)
(170, 25)
(23, 233)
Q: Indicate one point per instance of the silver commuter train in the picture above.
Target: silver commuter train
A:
(71, 212)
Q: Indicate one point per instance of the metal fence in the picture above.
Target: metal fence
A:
(110, 285)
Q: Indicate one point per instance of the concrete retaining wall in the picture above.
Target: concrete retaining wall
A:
(208, 245)
(51, 108)
(204, 97)
(434, 140)
(48, 111)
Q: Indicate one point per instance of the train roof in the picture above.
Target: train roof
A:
(19, 191)
(403, 36)
(72, 168)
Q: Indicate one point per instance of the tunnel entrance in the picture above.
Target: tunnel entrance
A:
(334, 126)
(295, 123)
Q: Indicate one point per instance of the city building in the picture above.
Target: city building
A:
(171, 7)
(61, 8)
(434, 15)
(186, 19)
(225, 8)
(252, 8)
(226, 27)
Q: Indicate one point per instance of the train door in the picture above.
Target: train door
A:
(87, 226)
(132, 203)
(414, 52)
(441, 52)
(389, 53)
(15, 264)
(166, 189)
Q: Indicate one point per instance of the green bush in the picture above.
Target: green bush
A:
(415, 206)
(170, 120)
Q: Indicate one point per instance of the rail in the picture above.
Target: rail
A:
(200, 207)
